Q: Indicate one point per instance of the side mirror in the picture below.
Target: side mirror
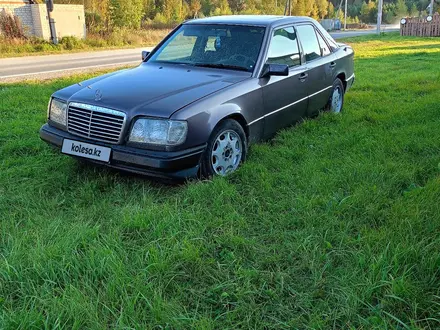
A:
(275, 70)
(145, 55)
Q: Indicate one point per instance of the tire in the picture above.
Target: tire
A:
(336, 105)
(226, 149)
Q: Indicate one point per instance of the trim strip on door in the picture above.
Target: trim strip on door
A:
(280, 109)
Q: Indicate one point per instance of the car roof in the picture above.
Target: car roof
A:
(254, 20)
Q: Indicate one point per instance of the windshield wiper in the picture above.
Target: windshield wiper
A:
(222, 66)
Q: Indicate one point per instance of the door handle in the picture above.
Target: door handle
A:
(332, 64)
(303, 76)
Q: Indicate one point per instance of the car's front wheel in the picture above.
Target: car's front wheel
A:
(226, 149)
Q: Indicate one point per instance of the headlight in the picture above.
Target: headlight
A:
(159, 132)
(57, 112)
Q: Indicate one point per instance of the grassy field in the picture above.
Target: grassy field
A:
(334, 224)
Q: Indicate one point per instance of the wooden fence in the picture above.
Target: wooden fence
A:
(420, 27)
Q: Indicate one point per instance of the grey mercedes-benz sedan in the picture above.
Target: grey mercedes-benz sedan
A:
(208, 90)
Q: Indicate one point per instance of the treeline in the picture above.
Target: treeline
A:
(392, 12)
(105, 15)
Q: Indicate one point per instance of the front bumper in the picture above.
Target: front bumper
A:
(163, 164)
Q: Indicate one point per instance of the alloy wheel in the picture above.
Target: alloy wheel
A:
(226, 153)
(336, 102)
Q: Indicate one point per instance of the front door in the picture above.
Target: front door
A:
(285, 98)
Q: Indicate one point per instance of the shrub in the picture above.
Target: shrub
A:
(94, 22)
(45, 47)
(70, 42)
(133, 38)
(96, 41)
(116, 38)
(160, 19)
(159, 23)
(10, 26)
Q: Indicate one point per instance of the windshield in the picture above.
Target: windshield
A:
(218, 46)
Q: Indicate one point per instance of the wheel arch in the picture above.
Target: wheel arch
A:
(238, 117)
(229, 111)
(342, 77)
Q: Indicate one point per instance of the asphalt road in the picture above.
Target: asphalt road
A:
(49, 65)
(348, 34)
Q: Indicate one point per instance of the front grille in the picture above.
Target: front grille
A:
(94, 122)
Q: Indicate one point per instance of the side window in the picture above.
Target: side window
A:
(310, 44)
(284, 48)
(324, 47)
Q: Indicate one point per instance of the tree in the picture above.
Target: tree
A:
(372, 11)
(221, 7)
(194, 7)
(314, 13)
(368, 12)
(365, 13)
(322, 8)
(106, 14)
(150, 8)
(250, 7)
(300, 8)
(330, 10)
(309, 7)
(401, 9)
(237, 5)
(173, 10)
(388, 13)
(413, 12)
(270, 7)
(126, 13)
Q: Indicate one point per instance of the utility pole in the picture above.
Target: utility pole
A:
(379, 15)
(339, 9)
(288, 8)
(53, 32)
(431, 8)
(345, 15)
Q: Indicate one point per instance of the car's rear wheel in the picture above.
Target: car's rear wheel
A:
(226, 149)
(336, 101)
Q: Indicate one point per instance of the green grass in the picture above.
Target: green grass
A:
(334, 224)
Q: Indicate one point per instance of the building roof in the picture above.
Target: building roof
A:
(258, 20)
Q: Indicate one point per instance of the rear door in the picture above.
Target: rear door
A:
(285, 98)
(320, 62)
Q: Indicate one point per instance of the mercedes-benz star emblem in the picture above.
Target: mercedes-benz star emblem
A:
(98, 95)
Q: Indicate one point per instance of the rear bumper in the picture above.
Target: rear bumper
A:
(163, 164)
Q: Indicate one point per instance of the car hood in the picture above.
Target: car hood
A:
(151, 89)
